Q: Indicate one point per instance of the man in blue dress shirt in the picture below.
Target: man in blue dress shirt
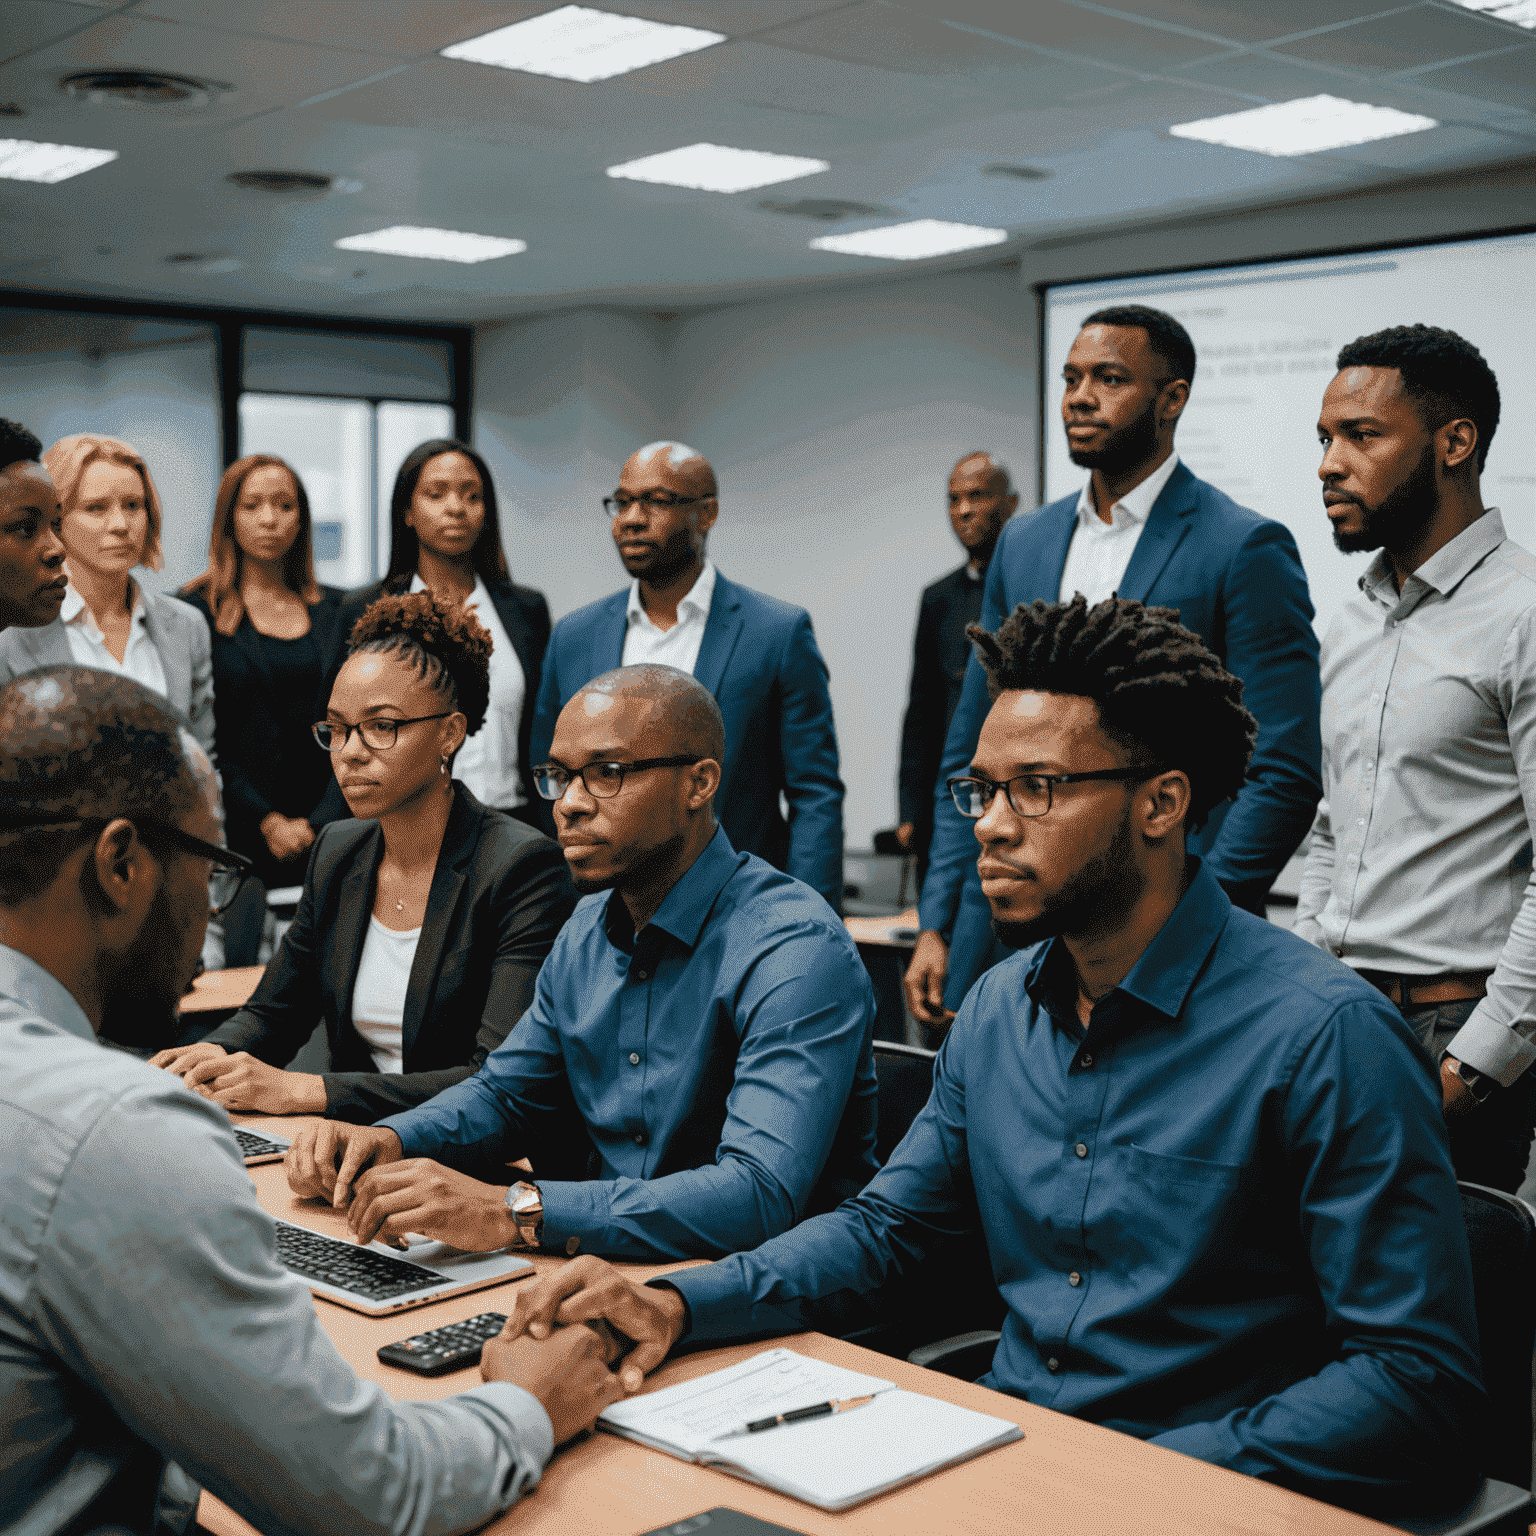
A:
(1208, 1160)
(695, 1074)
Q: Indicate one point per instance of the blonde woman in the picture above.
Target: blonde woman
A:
(111, 525)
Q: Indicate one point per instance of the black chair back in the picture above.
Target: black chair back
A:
(1501, 1232)
(904, 1074)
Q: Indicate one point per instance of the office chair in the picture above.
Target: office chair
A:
(904, 1075)
(1501, 1233)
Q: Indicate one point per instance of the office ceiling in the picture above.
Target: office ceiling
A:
(910, 102)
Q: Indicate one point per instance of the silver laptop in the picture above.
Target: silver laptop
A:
(260, 1146)
(378, 1280)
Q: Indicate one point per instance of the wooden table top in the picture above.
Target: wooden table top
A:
(1065, 1478)
(899, 932)
(215, 990)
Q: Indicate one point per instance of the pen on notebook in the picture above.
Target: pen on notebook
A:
(795, 1415)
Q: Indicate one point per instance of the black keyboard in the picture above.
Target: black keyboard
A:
(346, 1265)
(252, 1145)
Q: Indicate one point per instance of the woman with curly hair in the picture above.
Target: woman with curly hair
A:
(424, 921)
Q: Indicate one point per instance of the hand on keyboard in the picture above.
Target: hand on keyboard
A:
(418, 1195)
(325, 1159)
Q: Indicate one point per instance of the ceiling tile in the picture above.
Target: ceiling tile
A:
(29, 24)
(1507, 78)
(736, 18)
(1406, 40)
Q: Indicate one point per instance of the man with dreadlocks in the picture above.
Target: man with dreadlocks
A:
(1207, 1159)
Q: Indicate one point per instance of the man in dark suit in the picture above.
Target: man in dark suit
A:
(756, 655)
(1145, 528)
(981, 500)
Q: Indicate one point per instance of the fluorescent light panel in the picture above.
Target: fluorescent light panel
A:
(27, 160)
(1304, 126)
(716, 168)
(1521, 12)
(579, 43)
(913, 240)
(433, 244)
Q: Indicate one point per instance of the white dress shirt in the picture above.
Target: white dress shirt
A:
(141, 660)
(487, 762)
(1100, 551)
(1420, 861)
(676, 647)
(379, 988)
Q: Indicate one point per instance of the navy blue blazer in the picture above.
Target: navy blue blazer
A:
(1236, 580)
(760, 659)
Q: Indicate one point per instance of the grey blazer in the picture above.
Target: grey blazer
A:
(180, 634)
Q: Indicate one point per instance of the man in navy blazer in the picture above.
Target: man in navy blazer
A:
(1144, 528)
(756, 655)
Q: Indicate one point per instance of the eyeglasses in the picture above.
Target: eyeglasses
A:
(1029, 794)
(652, 501)
(602, 780)
(230, 869)
(378, 734)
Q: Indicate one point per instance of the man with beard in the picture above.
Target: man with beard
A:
(695, 1073)
(1207, 1159)
(1419, 870)
(1146, 528)
(32, 580)
(756, 655)
(150, 1340)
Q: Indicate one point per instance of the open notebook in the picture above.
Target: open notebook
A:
(832, 1462)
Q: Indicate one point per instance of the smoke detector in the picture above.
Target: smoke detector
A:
(1018, 172)
(826, 210)
(209, 263)
(140, 88)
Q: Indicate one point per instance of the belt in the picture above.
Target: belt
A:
(1426, 991)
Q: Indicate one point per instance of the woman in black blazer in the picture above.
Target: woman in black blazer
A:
(423, 925)
(276, 633)
(445, 538)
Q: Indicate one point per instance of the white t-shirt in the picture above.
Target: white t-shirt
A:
(1099, 552)
(487, 762)
(378, 994)
(676, 647)
(88, 646)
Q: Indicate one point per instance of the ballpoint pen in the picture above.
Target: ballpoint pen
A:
(795, 1415)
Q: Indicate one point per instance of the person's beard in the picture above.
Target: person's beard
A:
(1399, 516)
(1133, 444)
(141, 986)
(1096, 898)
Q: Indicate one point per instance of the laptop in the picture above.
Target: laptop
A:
(377, 1280)
(260, 1147)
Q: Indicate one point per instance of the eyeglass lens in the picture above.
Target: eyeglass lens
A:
(603, 780)
(613, 505)
(1029, 795)
(378, 734)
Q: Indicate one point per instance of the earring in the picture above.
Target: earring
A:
(445, 768)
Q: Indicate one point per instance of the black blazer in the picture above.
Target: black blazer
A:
(524, 615)
(499, 896)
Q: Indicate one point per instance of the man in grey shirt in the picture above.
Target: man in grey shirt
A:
(146, 1326)
(1419, 872)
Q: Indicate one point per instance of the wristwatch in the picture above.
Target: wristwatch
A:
(1479, 1084)
(527, 1206)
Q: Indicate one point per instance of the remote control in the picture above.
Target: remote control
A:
(445, 1349)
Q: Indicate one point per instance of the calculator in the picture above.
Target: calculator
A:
(445, 1349)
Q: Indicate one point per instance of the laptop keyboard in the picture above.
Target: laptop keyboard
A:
(252, 1145)
(361, 1270)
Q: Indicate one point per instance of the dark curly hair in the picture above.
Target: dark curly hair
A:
(1444, 375)
(447, 645)
(17, 445)
(1168, 340)
(1164, 698)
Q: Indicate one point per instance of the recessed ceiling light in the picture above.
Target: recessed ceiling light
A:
(1304, 127)
(579, 43)
(716, 168)
(24, 160)
(912, 241)
(433, 244)
(1521, 12)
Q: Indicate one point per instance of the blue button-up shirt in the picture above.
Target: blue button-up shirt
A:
(1222, 1217)
(719, 1061)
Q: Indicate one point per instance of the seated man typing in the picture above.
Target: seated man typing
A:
(1209, 1160)
(694, 1075)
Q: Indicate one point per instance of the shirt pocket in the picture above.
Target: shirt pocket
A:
(1172, 1209)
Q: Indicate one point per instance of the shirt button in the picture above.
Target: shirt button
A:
(634, 1058)
(1081, 1149)
(645, 975)
(1053, 1365)
(571, 1245)
(1074, 1278)
(639, 1138)
(1087, 1058)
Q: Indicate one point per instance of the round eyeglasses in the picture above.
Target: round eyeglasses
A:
(603, 780)
(1029, 794)
(378, 734)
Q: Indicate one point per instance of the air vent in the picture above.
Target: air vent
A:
(139, 88)
(1018, 172)
(826, 210)
(281, 181)
(209, 262)
(11, 109)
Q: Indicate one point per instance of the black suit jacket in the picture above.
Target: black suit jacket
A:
(939, 657)
(499, 896)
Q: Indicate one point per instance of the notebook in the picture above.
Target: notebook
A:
(834, 1462)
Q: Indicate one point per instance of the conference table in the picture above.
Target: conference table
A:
(1064, 1478)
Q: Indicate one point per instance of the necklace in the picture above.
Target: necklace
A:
(399, 906)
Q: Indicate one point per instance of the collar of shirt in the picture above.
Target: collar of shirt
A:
(24, 979)
(685, 908)
(1134, 507)
(479, 595)
(1167, 968)
(700, 595)
(75, 612)
(1443, 572)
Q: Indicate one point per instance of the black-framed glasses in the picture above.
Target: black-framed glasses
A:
(652, 501)
(1029, 794)
(378, 734)
(603, 780)
(230, 869)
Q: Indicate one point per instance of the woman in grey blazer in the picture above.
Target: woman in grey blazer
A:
(112, 524)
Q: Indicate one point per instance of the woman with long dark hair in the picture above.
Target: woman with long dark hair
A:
(276, 637)
(445, 538)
